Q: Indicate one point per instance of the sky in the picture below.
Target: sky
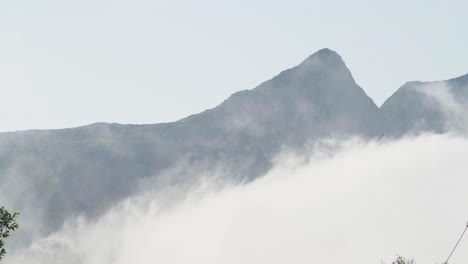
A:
(72, 63)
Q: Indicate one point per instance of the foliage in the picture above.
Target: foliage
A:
(7, 223)
(402, 260)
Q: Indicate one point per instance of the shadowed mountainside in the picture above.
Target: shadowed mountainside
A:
(419, 107)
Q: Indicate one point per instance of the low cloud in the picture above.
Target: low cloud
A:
(454, 108)
(365, 204)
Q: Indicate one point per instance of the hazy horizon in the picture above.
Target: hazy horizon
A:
(72, 64)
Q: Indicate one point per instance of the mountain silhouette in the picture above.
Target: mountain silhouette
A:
(419, 107)
(50, 175)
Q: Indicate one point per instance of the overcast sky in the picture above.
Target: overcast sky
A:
(71, 63)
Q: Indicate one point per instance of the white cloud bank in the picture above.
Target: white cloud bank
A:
(365, 204)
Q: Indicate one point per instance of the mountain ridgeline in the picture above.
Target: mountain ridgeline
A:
(51, 175)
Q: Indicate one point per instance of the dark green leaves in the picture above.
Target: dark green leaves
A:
(7, 224)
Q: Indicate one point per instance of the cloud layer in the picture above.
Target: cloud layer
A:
(367, 203)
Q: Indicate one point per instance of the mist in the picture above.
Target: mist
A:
(453, 106)
(364, 204)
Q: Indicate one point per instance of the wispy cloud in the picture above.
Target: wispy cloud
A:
(367, 203)
(454, 109)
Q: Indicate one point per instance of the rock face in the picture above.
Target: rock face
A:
(436, 107)
(51, 175)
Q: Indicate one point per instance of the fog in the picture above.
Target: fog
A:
(453, 104)
(364, 204)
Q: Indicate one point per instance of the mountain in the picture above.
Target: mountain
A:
(51, 175)
(419, 107)
(54, 174)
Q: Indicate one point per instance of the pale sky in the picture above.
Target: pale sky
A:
(72, 63)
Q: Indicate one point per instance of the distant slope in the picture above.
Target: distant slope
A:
(51, 175)
(428, 107)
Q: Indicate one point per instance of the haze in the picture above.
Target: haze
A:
(366, 204)
(68, 63)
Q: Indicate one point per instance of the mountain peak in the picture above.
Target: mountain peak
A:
(325, 62)
(324, 56)
(326, 52)
(324, 59)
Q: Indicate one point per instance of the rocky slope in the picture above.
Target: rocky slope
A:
(54, 174)
(437, 107)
